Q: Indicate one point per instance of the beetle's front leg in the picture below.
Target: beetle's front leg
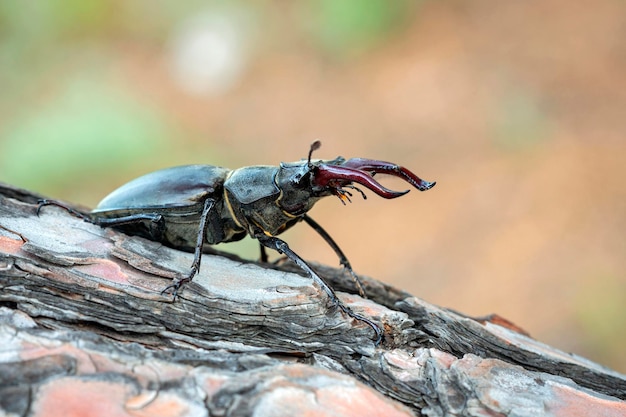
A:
(265, 259)
(177, 283)
(343, 260)
(282, 247)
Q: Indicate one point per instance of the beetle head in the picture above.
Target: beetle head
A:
(303, 183)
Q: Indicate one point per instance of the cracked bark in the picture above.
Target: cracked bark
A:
(84, 331)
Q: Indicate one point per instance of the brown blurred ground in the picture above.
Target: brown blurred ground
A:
(516, 109)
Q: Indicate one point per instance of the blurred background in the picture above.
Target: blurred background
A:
(516, 109)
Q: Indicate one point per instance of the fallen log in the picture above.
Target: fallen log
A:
(85, 330)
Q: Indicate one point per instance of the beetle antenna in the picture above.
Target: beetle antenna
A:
(314, 146)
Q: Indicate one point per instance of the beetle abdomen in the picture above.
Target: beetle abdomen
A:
(172, 187)
(177, 195)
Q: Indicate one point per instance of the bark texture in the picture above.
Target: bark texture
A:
(85, 331)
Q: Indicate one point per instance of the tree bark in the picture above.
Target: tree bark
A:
(86, 331)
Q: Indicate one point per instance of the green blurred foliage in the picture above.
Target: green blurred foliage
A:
(69, 125)
(349, 27)
(600, 322)
(51, 21)
(80, 134)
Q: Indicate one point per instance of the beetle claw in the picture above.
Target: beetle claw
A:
(335, 177)
(373, 166)
(339, 173)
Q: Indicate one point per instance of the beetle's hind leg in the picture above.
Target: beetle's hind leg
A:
(156, 227)
(73, 212)
(343, 260)
(281, 246)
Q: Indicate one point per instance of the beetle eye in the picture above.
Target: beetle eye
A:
(300, 180)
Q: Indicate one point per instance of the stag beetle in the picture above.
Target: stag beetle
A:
(189, 206)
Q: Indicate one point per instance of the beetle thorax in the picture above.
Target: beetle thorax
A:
(297, 191)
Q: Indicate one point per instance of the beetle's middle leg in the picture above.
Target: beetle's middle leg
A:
(343, 260)
(197, 256)
(282, 247)
(264, 257)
